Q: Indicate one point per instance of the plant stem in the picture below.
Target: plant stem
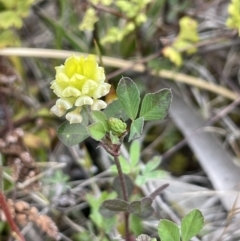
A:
(15, 230)
(122, 180)
(1, 174)
(125, 196)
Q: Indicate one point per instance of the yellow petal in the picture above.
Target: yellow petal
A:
(64, 103)
(74, 116)
(71, 64)
(71, 91)
(76, 82)
(90, 67)
(98, 105)
(101, 90)
(57, 89)
(100, 75)
(84, 100)
(61, 77)
(58, 111)
(80, 65)
(88, 86)
(59, 69)
(80, 77)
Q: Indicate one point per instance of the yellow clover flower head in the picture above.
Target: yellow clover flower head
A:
(79, 82)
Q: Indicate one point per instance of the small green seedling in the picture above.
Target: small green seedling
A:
(190, 226)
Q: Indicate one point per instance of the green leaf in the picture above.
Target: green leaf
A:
(155, 105)
(114, 139)
(128, 96)
(134, 153)
(135, 224)
(147, 212)
(146, 202)
(72, 134)
(152, 164)
(85, 117)
(60, 31)
(8, 38)
(118, 187)
(10, 19)
(97, 131)
(155, 174)
(141, 208)
(115, 109)
(191, 224)
(116, 205)
(168, 231)
(99, 116)
(156, 192)
(136, 129)
(141, 180)
(134, 207)
(106, 212)
(126, 168)
(96, 202)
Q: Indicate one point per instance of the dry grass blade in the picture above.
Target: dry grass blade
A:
(119, 63)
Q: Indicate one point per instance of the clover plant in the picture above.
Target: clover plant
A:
(79, 85)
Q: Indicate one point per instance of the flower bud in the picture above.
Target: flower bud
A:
(117, 126)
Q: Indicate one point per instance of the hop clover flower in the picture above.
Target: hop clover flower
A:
(79, 82)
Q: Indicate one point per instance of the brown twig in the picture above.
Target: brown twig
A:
(140, 61)
(120, 63)
(15, 230)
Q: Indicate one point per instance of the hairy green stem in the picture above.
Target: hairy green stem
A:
(125, 196)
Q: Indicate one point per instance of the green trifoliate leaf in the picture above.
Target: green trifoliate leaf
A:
(191, 224)
(134, 153)
(115, 109)
(152, 164)
(105, 212)
(72, 134)
(136, 129)
(168, 231)
(99, 116)
(155, 105)
(156, 174)
(146, 202)
(97, 131)
(116, 126)
(128, 96)
(141, 180)
(141, 209)
(85, 116)
(116, 205)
